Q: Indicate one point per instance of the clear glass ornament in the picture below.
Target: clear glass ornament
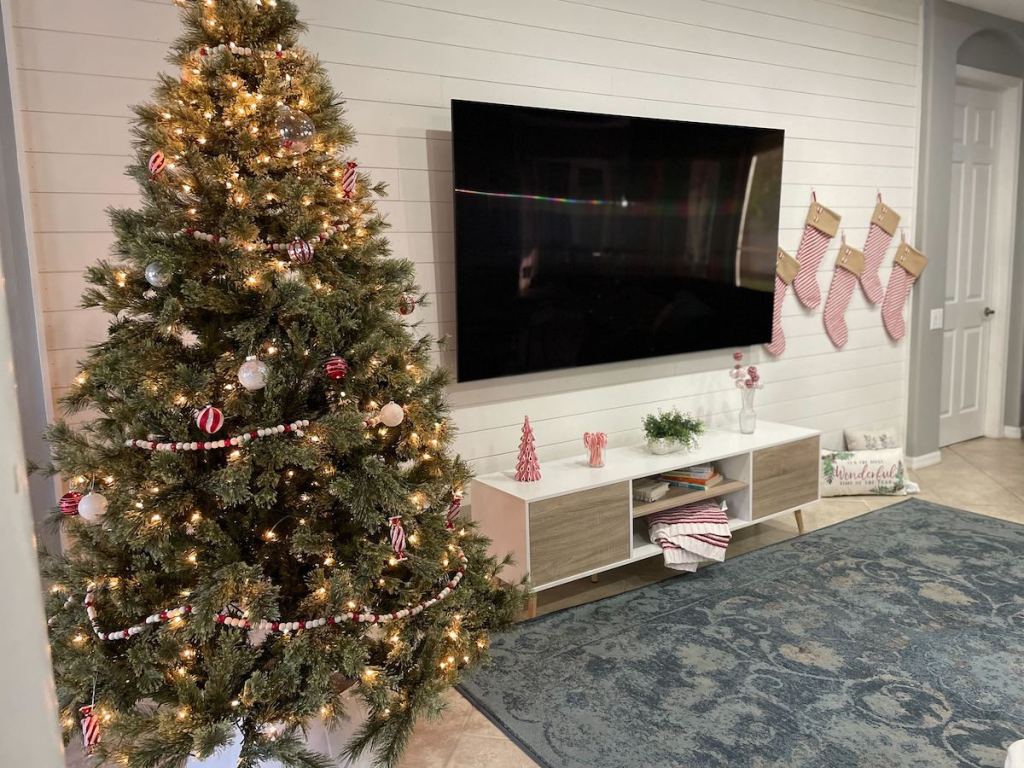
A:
(157, 276)
(252, 374)
(296, 131)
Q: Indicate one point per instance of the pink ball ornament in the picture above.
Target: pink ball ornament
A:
(210, 419)
(737, 356)
(406, 305)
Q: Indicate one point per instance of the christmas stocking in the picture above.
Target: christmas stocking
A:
(819, 229)
(786, 268)
(849, 268)
(906, 268)
(884, 221)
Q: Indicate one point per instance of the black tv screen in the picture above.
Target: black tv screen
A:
(585, 238)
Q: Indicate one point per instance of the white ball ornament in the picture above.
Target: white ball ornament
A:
(92, 507)
(252, 374)
(157, 276)
(391, 415)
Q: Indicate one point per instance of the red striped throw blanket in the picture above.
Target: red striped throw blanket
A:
(691, 533)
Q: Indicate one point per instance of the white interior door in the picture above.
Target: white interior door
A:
(967, 308)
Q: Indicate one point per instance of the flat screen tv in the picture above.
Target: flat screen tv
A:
(585, 238)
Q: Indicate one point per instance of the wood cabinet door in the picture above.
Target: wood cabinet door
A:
(785, 477)
(577, 532)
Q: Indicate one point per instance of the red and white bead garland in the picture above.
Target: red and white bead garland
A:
(238, 50)
(328, 233)
(282, 627)
(230, 442)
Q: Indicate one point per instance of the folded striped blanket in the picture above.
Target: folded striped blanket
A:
(691, 533)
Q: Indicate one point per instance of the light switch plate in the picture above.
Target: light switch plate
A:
(936, 320)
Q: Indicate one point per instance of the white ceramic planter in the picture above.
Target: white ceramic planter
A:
(661, 446)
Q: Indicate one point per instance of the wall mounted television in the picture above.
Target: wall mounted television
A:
(586, 238)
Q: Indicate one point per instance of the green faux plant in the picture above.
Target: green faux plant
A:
(673, 425)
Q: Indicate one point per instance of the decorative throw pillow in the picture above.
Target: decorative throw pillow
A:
(863, 473)
(871, 439)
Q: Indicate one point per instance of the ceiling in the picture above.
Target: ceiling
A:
(1011, 9)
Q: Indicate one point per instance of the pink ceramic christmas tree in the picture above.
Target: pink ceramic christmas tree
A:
(527, 468)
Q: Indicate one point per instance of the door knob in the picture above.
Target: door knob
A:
(988, 312)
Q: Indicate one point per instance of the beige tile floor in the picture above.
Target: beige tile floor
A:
(984, 476)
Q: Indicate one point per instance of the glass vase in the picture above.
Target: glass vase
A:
(748, 417)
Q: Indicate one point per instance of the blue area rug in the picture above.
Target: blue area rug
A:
(894, 639)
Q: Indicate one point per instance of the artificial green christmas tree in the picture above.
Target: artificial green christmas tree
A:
(263, 512)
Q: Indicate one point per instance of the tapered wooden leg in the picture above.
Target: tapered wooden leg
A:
(531, 606)
(799, 515)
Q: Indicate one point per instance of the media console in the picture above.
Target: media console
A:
(578, 521)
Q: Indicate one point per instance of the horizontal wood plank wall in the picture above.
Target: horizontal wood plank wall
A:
(840, 77)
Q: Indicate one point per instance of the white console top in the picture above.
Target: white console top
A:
(573, 474)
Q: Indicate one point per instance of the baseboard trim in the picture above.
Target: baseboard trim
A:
(1014, 433)
(920, 462)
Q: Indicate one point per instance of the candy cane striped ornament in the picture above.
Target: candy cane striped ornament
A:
(157, 163)
(453, 512)
(69, 503)
(397, 537)
(348, 180)
(820, 227)
(406, 305)
(90, 728)
(210, 420)
(300, 252)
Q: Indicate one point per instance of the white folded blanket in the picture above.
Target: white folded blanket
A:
(691, 533)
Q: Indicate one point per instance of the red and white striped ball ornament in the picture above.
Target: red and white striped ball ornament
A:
(90, 728)
(335, 368)
(69, 503)
(300, 252)
(157, 164)
(210, 419)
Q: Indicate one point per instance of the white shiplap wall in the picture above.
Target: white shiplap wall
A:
(841, 77)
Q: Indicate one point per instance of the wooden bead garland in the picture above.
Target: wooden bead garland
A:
(327, 234)
(230, 442)
(357, 617)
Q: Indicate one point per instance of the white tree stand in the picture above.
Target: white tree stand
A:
(318, 738)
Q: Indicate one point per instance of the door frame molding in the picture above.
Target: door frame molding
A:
(1011, 95)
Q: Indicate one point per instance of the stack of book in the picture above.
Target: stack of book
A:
(698, 478)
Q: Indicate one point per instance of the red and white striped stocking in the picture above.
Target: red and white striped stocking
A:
(786, 268)
(907, 266)
(819, 229)
(884, 221)
(849, 267)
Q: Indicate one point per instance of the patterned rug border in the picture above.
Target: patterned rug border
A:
(533, 755)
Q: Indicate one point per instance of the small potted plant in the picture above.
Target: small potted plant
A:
(668, 432)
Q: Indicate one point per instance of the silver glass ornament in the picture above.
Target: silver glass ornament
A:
(157, 276)
(296, 131)
(252, 374)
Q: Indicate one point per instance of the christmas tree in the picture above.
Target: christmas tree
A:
(527, 466)
(258, 512)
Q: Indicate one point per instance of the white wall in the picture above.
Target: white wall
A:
(840, 77)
